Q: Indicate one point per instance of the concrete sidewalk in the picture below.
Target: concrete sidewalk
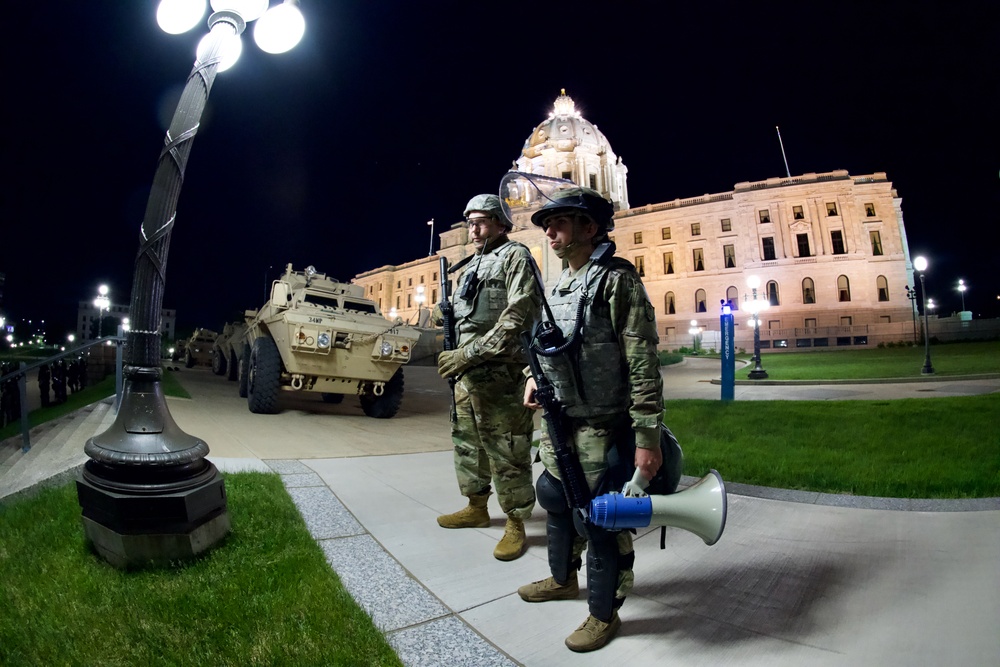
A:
(790, 583)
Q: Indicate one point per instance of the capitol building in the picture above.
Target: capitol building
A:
(829, 250)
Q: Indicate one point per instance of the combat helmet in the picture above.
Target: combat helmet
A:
(579, 199)
(488, 204)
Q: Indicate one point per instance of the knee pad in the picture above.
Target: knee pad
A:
(551, 496)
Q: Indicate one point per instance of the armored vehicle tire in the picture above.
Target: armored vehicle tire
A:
(188, 360)
(244, 370)
(332, 398)
(218, 362)
(264, 378)
(386, 405)
(233, 367)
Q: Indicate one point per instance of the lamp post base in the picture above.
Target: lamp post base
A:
(757, 374)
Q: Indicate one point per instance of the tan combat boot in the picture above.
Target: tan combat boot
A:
(593, 634)
(474, 516)
(514, 542)
(550, 589)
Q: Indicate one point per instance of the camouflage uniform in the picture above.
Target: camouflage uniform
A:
(609, 386)
(492, 435)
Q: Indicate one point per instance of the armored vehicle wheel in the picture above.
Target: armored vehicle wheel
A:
(332, 398)
(386, 405)
(188, 360)
(244, 370)
(233, 367)
(218, 362)
(264, 378)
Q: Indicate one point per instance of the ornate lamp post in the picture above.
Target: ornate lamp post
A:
(103, 303)
(756, 306)
(147, 493)
(920, 265)
(430, 248)
(695, 332)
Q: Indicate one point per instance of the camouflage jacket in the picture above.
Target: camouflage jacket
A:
(614, 367)
(502, 300)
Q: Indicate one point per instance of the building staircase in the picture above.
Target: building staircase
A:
(56, 451)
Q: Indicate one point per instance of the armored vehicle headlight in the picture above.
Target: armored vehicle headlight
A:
(323, 339)
(386, 348)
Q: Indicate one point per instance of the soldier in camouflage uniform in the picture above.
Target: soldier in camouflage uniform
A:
(611, 390)
(496, 300)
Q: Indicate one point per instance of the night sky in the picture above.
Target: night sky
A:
(390, 113)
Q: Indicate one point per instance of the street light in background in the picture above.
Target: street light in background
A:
(961, 290)
(103, 303)
(430, 248)
(695, 332)
(756, 306)
(147, 492)
(420, 298)
(920, 266)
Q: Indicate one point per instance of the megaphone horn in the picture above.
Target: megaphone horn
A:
(699, 509)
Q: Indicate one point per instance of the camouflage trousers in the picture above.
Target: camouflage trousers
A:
(492, 436)
(592, 439)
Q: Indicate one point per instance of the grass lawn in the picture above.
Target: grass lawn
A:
(264, 597)
(895, 362)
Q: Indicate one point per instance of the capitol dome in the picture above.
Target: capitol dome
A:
(567, 145)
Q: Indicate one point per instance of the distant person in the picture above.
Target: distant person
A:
(73, 376)
(59, 381)
(496, 300)
(44, 382)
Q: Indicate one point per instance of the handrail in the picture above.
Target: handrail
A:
(22, 372)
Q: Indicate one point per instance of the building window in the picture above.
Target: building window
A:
(593, 181)
(870, 210)
(810, 323)
(640, 265)
(637, 238)
(567, 176)
(434, 296)
(772, 294)
(665, 232)
(699, 301)
(409, 282)
(409, 300)
(883, 288)
(808, 290)
(434, 276)
(733, 297)
(399, 283)
(831, 209)
(699, 259)
(803, 242)
(421, 280)
(669, 304)
(668, 262)
(846, 321)
(769, 248)
(837, 238)
(397, 303)
(729, 253)
(843, 288)
(765, 216)
(797, 213)
(727, 225)
(876, 239)
(695, 229)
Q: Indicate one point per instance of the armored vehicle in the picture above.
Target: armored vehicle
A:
(198, 349)
(228, 350)
(317, 334)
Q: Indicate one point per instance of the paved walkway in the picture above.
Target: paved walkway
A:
(826, 581)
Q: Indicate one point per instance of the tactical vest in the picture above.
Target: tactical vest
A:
(591, 377)
(485, 297)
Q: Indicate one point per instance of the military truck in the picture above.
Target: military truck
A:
(228, 350)
(317, 334)
(198, 348)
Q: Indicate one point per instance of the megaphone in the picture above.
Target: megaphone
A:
(699, 509)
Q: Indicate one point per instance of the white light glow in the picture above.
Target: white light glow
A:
(250, 10)
(920, 263)
(753, 282)
(177, 16)
(280, 29)
(232, 47)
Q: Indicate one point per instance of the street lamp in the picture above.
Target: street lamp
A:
(147, 492)
(911, 294)
(430, 248)
(695, 330)
(755, 306)
(103, 303)
(961, 290)
(920, 265)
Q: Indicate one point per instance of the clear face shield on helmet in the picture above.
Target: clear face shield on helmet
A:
(524, 194)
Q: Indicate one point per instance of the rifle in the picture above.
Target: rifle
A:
(448, 320)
